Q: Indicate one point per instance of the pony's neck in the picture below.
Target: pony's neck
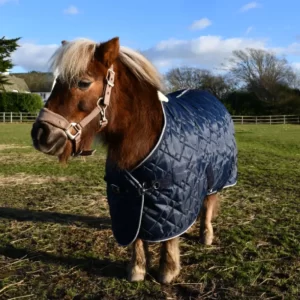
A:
(135, 120)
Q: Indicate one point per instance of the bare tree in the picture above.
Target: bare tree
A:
(294, 82)
(182, 78)
(218, 85)
(262, 72)
(195, 78)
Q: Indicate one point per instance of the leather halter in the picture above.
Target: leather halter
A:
(59, 121)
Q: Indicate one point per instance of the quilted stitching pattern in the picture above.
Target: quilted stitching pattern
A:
(197, 156)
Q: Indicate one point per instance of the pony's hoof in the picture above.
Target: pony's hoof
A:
(206, 238)
(136, 277)
(136, 274)
(166, 278)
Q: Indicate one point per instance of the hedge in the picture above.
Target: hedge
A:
(246, 103)
(20, 102)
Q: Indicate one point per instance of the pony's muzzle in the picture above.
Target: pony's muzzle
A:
(48, 138)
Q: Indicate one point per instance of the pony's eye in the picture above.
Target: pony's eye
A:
(83, 84)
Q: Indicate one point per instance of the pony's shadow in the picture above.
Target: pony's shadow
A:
(54, 217)
(100, 267)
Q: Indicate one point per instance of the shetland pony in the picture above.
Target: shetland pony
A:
(113, 92)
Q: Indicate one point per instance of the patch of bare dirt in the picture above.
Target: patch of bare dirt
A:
(23, 178)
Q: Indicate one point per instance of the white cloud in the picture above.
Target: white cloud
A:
(249, 6)
(200, 24)
(33, 57)
(292, 49)
(2, 2)
(296, 66)
(205, 51)
(249, 29)
(71, 10)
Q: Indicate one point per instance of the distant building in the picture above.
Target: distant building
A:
(44, 95)
(17, 85)
(39, 83)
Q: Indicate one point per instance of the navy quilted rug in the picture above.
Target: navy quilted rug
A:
(195, 156)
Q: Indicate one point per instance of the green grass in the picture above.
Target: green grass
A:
(56, 241)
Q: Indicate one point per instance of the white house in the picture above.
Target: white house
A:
(43, 95)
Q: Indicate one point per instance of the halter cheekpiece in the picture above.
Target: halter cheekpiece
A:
(59, 121)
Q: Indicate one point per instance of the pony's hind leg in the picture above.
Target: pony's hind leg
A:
(137, 267)
(209, 212)
(169, 261)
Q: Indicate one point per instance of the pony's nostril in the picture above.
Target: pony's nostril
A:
(48, 139)
(39, 133)
(45, 127)
(34, 131)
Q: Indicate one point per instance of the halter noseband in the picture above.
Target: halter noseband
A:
(59, 121)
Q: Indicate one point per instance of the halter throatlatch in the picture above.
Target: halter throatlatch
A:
(59, 121)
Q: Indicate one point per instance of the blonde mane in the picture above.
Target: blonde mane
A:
(71, 60)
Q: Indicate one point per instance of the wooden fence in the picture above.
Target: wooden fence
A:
(274, 119)
(19, 117)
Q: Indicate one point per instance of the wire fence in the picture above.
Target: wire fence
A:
(21, 117)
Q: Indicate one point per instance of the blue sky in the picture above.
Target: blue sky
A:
(170, 32)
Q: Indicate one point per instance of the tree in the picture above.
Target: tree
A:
(7, 46)
(262, 72)
(183, 78)
(195, 78)
(219, 85)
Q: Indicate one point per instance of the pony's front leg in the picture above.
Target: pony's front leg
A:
(169, 261)
(137, 267)
(209, 211)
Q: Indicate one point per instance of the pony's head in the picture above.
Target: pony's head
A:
(89, 77)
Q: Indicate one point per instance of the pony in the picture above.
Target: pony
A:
(114, 92)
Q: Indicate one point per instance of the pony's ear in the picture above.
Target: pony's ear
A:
(108, 52)
(64, 42)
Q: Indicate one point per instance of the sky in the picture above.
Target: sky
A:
(170, 33)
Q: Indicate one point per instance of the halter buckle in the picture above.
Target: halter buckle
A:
(76, 128)
(110, 83)
(110, 72)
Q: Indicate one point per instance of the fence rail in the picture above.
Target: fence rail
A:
(273, 119)
(20, 117)
(17, 117)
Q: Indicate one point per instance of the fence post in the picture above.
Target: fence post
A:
(270, 119)
(21, 117)
(284, 119)
(242, 120)
(11, 117)
(4, 117)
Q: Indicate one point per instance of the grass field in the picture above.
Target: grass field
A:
(56, 241)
